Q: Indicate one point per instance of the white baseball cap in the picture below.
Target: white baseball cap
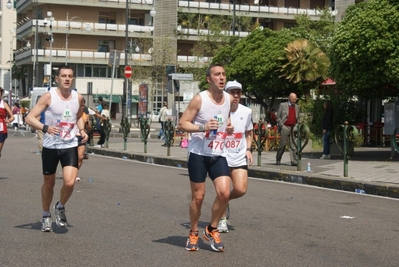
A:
(233, 85)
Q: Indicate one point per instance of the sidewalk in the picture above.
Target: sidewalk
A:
(370, 168)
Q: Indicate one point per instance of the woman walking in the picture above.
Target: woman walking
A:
(6, 117)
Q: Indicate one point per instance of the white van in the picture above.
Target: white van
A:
(35, 94)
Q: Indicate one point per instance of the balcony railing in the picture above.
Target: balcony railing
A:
(208, 32)
(142, 2)
(75, 56)
(250, 8)
(94, 27)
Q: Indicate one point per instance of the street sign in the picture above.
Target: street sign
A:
(128, 72)
(114, 58)
(182, 76)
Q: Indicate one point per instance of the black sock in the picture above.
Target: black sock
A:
(210, 228)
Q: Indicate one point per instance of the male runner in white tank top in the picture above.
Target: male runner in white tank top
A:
(63, 109)
(207, 118)
(238, 146)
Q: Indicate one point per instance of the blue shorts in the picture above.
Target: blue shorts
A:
(200, 166)
(51, 158)
(3, 137)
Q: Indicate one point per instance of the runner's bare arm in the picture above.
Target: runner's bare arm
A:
(9, 112)
(80, 121)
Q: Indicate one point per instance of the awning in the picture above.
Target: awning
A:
(115, 98)
(328, 81)
(135, 98)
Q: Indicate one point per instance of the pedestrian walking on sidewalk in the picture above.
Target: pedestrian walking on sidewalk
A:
(207, 119)
(163, 112)
(6, 117)
(63, 109)
(238, 145)
(327, 126)
(287, 117)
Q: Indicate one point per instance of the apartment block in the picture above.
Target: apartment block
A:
(89, 34)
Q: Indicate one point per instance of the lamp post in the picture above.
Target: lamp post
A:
(126, 82)
(153, 13)
(50, 19)
(68, 26)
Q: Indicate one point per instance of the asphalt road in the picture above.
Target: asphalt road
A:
(136, 214)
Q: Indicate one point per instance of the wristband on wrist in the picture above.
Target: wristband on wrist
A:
(250, 149)
(45, 128)
(201, 128)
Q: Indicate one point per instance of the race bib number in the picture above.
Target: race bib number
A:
(232, 142)
(1, 126)
(65, 130)
(214, 144)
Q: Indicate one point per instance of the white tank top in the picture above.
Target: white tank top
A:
(236, 143)
(61, 113)
(208, 144)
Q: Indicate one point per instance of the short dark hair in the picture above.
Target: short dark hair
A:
(64, 68)
(100, 98)
(208, 70)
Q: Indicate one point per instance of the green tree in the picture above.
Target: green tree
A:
(304, 64)
(364, 52)
(318, 32)
(253, 61)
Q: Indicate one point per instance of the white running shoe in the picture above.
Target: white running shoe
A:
(325, 157)
(222, 226)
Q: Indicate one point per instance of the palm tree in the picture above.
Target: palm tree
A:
(304, 63)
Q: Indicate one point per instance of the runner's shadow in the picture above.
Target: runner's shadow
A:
(3, 178)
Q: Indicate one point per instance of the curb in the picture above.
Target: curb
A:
(337, 183)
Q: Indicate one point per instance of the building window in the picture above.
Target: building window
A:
(136, 18)
(107, 17)
(99, 71)
(88, 72)
(105, 45)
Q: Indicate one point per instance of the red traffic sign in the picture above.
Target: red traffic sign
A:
(128, 72)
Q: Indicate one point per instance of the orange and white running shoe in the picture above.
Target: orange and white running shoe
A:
(192, 241)
(214, 239)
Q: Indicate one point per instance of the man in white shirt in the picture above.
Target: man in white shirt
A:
(207, 119)
(238, 145)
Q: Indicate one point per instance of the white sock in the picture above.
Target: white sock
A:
(59, 205)
(46, 213)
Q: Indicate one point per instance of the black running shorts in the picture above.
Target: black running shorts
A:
(51, 158)
(200, 166)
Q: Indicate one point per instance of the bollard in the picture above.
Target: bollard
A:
(260, 135)
(343, 134)
(107, 130)
(299, 139)
(125, 128)
(144, 124)
(169, 134)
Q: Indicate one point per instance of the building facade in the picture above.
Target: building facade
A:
(91, 36)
